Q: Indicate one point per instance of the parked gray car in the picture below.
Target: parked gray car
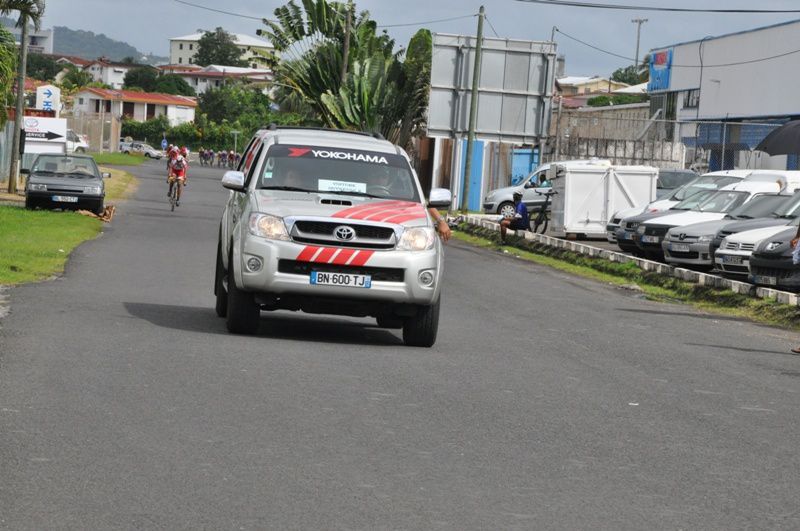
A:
(65, 181)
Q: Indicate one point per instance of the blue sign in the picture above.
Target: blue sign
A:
(163, 143)
(660, 69)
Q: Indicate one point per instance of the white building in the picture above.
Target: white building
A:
(739, 85)
(38, 41)
(215, 76)
(139, 106)
(182, 50)
(108, 72)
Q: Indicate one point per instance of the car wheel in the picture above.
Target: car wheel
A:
(127, 152)
(244, 314)
(506, 209)
(221, 306)
(147, 155)
(421, 329)
(99, 210)
(80, 150)
(30, 204)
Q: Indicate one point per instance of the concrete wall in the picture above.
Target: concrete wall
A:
(177, 114)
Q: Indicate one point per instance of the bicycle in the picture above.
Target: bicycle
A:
(542, 219)
(174, 193)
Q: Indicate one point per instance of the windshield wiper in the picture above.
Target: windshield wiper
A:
(743, 216)
(287, 189)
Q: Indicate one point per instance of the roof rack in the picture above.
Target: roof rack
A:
(275, 127)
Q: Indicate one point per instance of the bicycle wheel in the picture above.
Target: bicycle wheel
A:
(173, 196)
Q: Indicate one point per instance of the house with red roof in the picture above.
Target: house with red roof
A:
(139, 106)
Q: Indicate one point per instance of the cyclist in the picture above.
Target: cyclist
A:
(520, 219)
(230, 159)
(223, 158)
(179, 167)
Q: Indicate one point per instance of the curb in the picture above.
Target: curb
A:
(687, 275)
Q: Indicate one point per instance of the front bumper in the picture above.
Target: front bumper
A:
(490, 207)
(690, 253)
(774, 271)
(625, 240)
(735, 263)
(287, 266)
(51, 199)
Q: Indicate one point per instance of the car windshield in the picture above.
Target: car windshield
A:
(65, 165)
(760, 206)
(790, 209)
(704, 182)
(694, 200)
(675, 178)
(338, 171)
(146, 147)
(723, 201)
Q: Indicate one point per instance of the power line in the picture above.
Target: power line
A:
(491, 25)
(184, 2)
(759, 60)
(426, 21)
(574, 3)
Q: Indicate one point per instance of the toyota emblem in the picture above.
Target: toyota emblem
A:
(345, 233)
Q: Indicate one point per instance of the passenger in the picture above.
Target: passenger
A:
(519, 221)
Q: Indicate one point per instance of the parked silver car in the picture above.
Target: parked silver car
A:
(141, 148)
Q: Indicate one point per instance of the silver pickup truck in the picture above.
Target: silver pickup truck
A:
(329, 222)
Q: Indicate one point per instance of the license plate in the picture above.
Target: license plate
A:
(321, 278)
(650, 239)
(679, 247)
(768, 281)
(734, 260)
(65, 199)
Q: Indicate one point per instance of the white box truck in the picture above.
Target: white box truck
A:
(587, 195)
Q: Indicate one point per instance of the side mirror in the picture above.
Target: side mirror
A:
(440, 198)
(233, 180)
(529, 184)
(106, 175)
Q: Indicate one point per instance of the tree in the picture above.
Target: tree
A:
(233, 102)
(8, 65)
(378, 92)
(218, 47)
(75, 78)
(143, 77)
(629, 75)
(42, 67)
(173, 84)
(129, 60)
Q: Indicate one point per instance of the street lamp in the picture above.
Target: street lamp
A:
(235, 137)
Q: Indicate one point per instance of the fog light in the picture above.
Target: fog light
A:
(426, 278)
(254, 264)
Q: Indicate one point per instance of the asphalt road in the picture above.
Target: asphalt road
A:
(549, 402)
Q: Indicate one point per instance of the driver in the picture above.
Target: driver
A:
(295, 179)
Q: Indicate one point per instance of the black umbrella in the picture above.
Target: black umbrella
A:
(784, 140)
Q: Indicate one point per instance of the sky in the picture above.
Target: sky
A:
(148, 24)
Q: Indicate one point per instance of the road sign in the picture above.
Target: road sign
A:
(515, 88)
(164, 143)
(45, 129)
(48, 98)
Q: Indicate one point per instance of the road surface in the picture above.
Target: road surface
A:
(548, 402)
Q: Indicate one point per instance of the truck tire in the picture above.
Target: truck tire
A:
(30, 204)
(221, 306)
(420, 330)
(244, 315)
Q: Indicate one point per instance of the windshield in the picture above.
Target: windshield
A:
(674, 178)
(338, 171)
(704, 182)
(790, 209)
(761, 206)
(694, 200)
(61, 165)
(723, 201)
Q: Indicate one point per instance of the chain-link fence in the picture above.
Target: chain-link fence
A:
(102, 130)
(698, 145)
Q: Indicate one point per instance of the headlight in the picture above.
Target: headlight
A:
(771, 246)
(705, 239)
(266, 226)
(641, 229)
(37, 187)
(418, 239)
(93, 190)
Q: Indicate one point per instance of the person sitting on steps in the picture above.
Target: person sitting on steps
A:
(519, 221)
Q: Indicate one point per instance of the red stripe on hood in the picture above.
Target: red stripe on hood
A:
(343, 256)
(403, 218)
(361, 258)
(325, 255)
(361, 212)
(307, 253)
(417, 212)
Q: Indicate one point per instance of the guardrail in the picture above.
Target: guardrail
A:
(688, 275)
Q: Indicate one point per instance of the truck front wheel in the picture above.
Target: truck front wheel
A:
(244, 315)
(420, 330)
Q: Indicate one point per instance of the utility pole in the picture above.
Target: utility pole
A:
(473, 111)
(348, 28)
(13, 173)
(638, 22)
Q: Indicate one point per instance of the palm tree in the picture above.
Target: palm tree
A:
(30, 11)
(8, 65)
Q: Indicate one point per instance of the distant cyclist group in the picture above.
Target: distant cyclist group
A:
(224, 159)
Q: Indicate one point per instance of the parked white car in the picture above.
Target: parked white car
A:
(77, 143)
(733, 256)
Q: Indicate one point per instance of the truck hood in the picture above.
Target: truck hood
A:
(348, 208)
(685, 218)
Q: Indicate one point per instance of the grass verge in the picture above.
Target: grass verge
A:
(652, 285)
(120, 186)
(35, 244)
(117, 159)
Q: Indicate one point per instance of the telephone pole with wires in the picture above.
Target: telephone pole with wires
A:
(638, 22)
(473, 111)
